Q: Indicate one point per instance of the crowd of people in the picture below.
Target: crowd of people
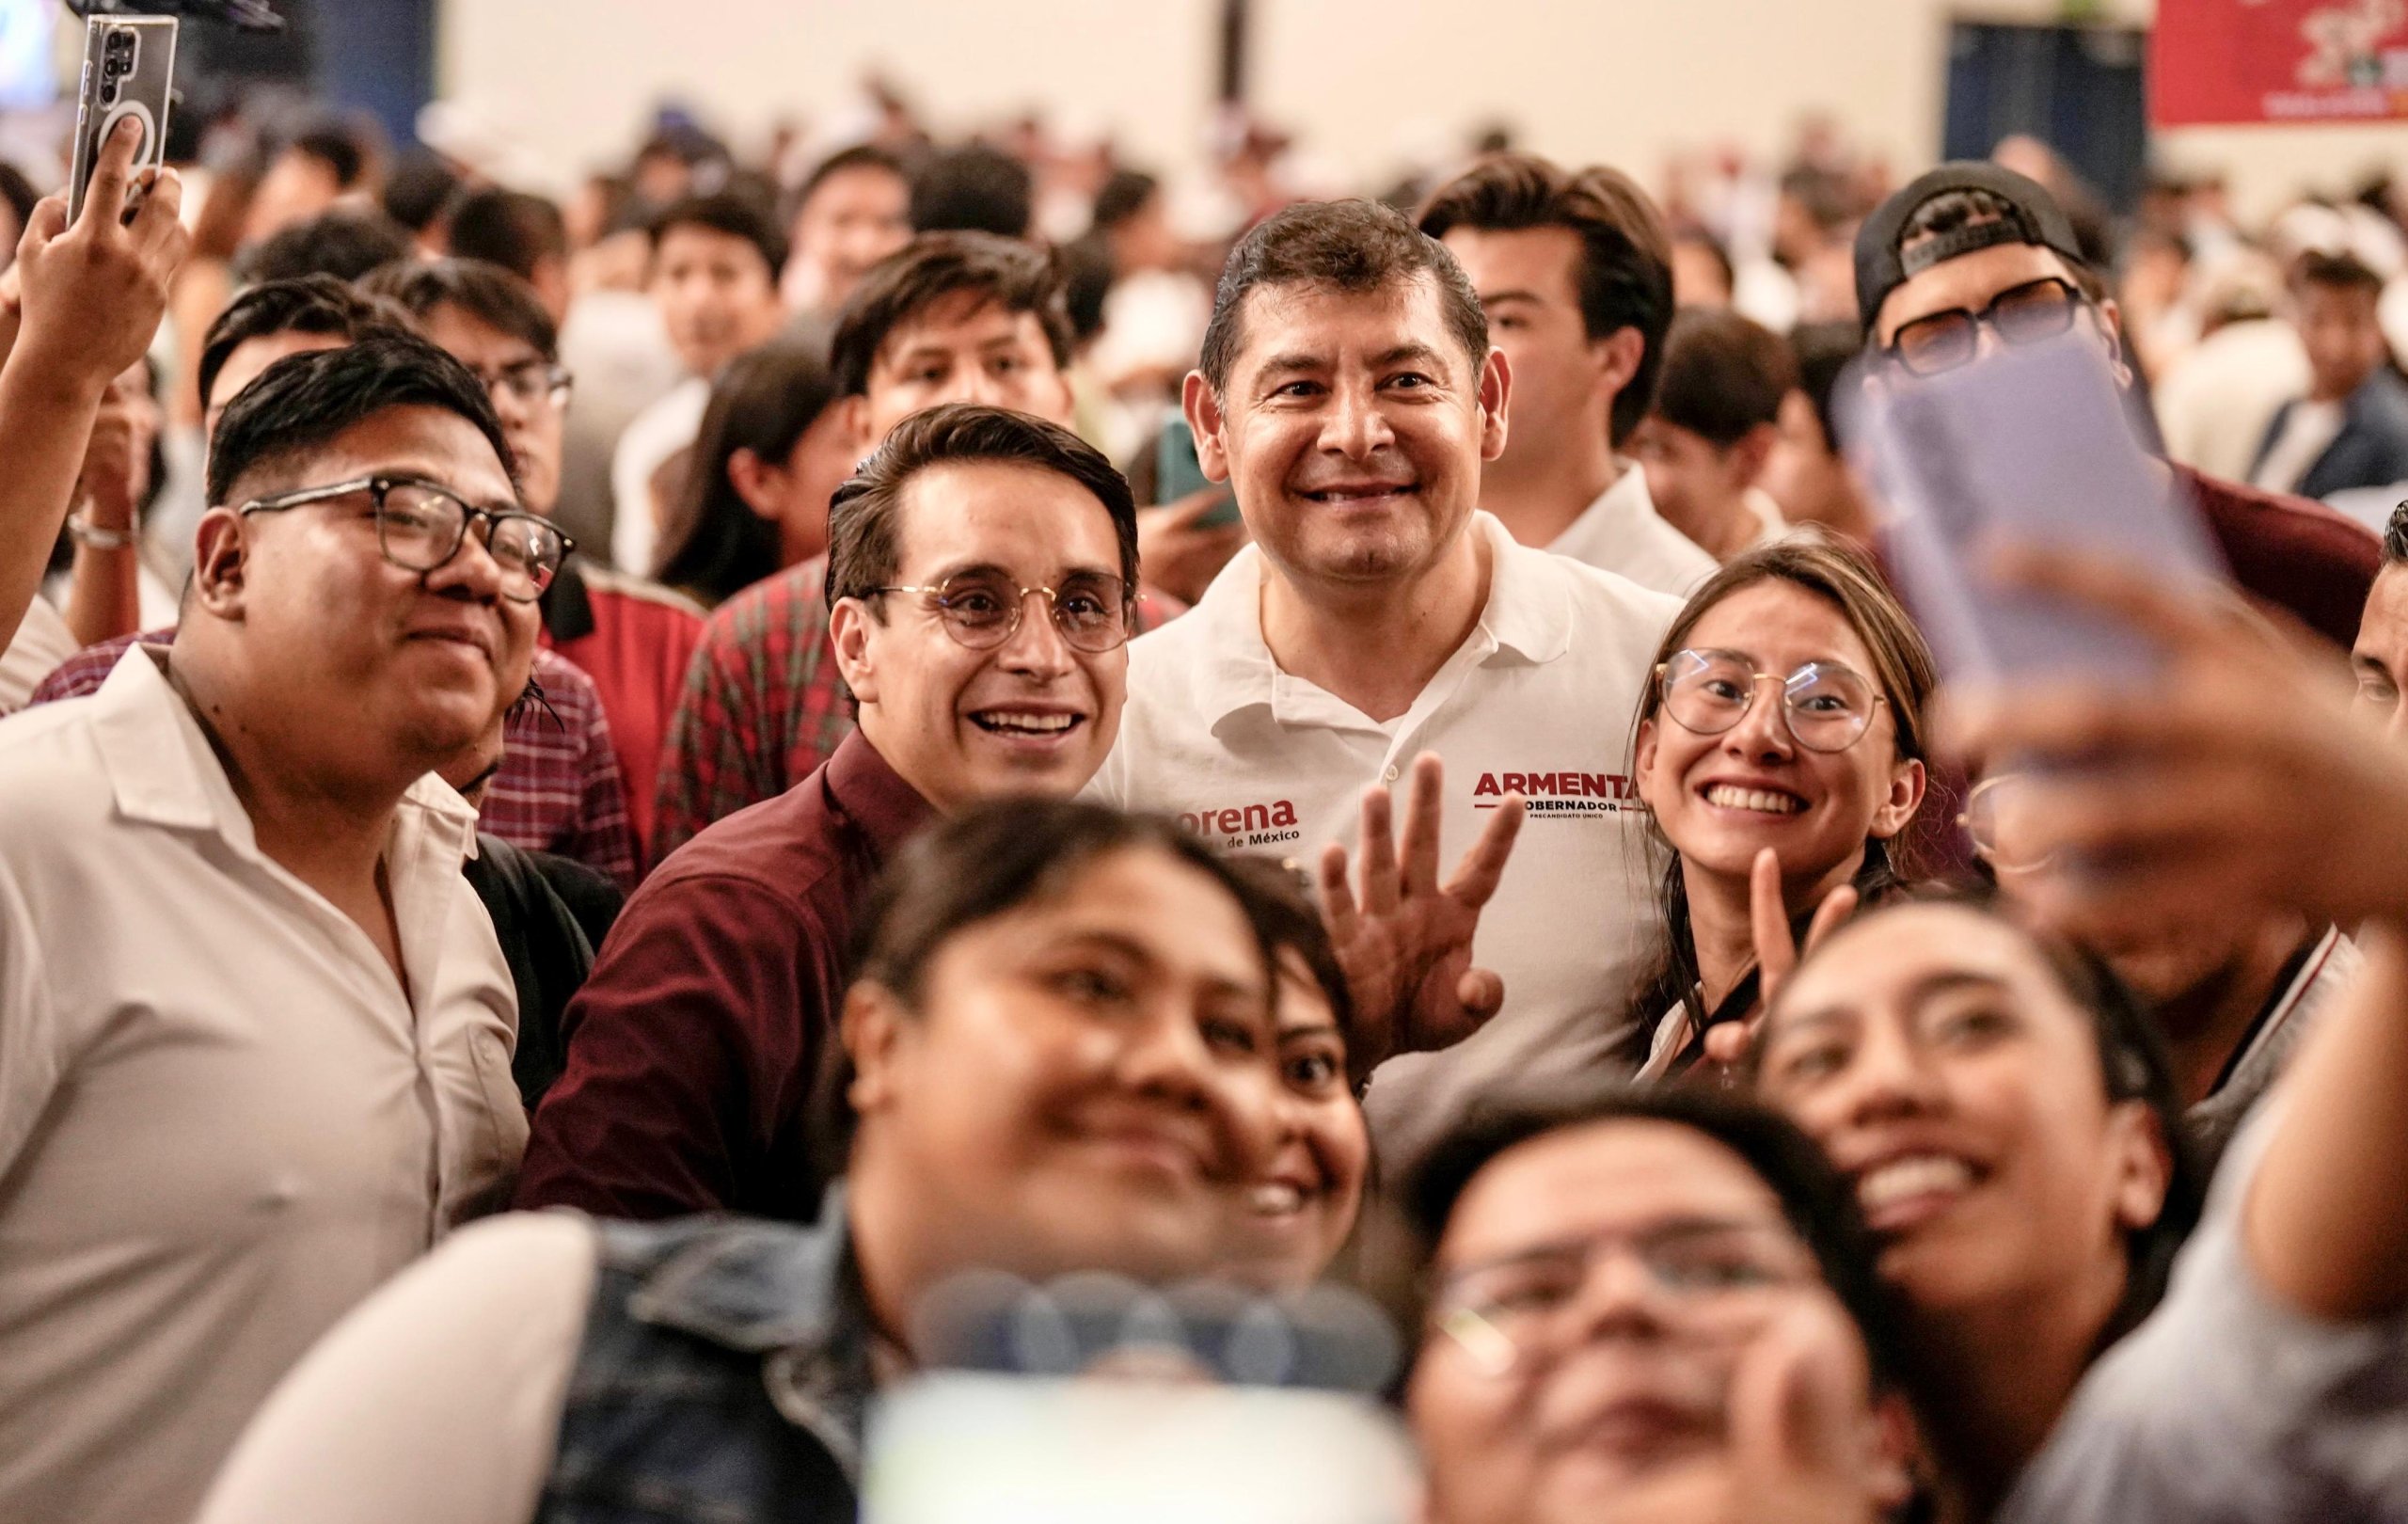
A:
(617, 797)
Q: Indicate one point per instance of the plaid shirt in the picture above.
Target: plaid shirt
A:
(764, 704)
(559, 790)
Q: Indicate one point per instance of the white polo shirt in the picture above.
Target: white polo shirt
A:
(222, 1122)
(1539, 700)
(1622, 532)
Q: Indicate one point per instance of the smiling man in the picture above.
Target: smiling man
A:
(275, 1067)
(981, 572)
(1349, 393)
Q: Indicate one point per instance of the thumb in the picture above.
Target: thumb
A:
(1728, 1043)
(1481, 991)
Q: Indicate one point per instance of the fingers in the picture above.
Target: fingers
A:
(1481, 993)
(158, 223)
(1378, 854)
(1182, 513)
(1768, 918)
(1482, 867)
(1337, 900)
(48, 221)
(1830, 916)
(1730, 1044)
(1421, 823)
(113, 173)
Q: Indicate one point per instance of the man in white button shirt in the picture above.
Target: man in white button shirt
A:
(1574, 272)
(255, 1029)
(1349, 394)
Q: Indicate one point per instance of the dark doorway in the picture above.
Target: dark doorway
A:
(2077, 88)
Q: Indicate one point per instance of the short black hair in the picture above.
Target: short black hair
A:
(1290, 922)
(18, 192)
(1700, 238)
(1625, 275)
(714, 546)
(2395, 537)
(1724, 375)
(515, 229)
(1124, 195)
(2342, 271)
(419, 189)
(973, 188)
(858, 157)
(1012, 274)
(487, 293)
(345, 243)
(303, 401)
(340, 148)
(1355, 246)
(310, 303)
(864, 532)
(731, 213)
(1816, 1200)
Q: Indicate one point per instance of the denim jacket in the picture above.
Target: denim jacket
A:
(722, 1380)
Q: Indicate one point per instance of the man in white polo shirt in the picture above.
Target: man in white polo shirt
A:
(255, 1029)
(1349, 394)
(1573, 270)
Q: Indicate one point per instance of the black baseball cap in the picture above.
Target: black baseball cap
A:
(2033, 216)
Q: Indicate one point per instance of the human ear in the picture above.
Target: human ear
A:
(220, 562)
(855, 417)
(1907, 781)
(1893, 1447)
(1749, 455)
(2111, 328)
(1643, 761)
(1202, 407)
(871, 1030)
(2144, 1165)
(1496, 393)
(1620, 354)
(756, 482)
(848, 625)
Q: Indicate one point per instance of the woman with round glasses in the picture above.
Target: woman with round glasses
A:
(1780, 741)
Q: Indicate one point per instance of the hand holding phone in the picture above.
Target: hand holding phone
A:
(129, 76)
(94, 289)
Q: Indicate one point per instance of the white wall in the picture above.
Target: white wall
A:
(1360, 80)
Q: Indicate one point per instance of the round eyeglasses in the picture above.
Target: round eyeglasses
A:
(981, 610)
(1827, 706)
(421, 526)
(1714, 1272)
(1990, 809)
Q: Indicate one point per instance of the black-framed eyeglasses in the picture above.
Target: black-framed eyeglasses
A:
(421, 526)
(2023, 314)
(1827, 706)
(1506, 1310)
(528, 381)
(981, 610)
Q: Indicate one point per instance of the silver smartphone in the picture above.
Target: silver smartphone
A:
(2028, 444)
(129, 70)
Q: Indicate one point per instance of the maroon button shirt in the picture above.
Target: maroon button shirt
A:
(698, 1047)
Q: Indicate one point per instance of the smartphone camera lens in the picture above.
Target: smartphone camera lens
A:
(108, 94)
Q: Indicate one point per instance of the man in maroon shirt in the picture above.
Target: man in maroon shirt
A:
(982, 566)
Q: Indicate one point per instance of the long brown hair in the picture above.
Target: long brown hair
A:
(1847, 578)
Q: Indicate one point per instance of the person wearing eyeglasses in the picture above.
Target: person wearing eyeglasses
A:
(1781, 751)
(255, 1029)
(1971, 256)
(632, 636)
(1652, 1305)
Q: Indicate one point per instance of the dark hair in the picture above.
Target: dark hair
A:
(487, 293)
(1354, 247)
(1951, 210)
(1625, 275)
(931, 266)
(303, 401)
(864, 538)
(2132, 1064)
(18, 192)
(1122, 198)
(1814, 1200)
(859, 156)
(345, 243)
(1085, 264)
(2395, 537)
(1724, 375)
(417, 190)
(1290, 922)
(973, 188)
(336, 146)
(1700, 238)
(511, 228)
(1845, 577)
(1823, 351)
(724, 211)
(715, 546)
(310, 303)
(2334, 272)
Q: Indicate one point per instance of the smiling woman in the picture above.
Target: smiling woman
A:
(1825, 770)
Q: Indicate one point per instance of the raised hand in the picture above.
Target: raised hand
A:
(1180, 555)
(93, 293)
(1405, 940)
(1777, 951)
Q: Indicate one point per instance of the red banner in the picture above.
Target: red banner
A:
(2278, 60)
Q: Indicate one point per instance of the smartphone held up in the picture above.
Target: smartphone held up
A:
(129, 74)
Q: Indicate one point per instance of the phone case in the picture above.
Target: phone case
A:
(129, 70)
(2030, 445)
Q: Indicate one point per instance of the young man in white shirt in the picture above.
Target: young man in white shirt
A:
(1349, 394)
(255, 1029)
(1574, 272)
